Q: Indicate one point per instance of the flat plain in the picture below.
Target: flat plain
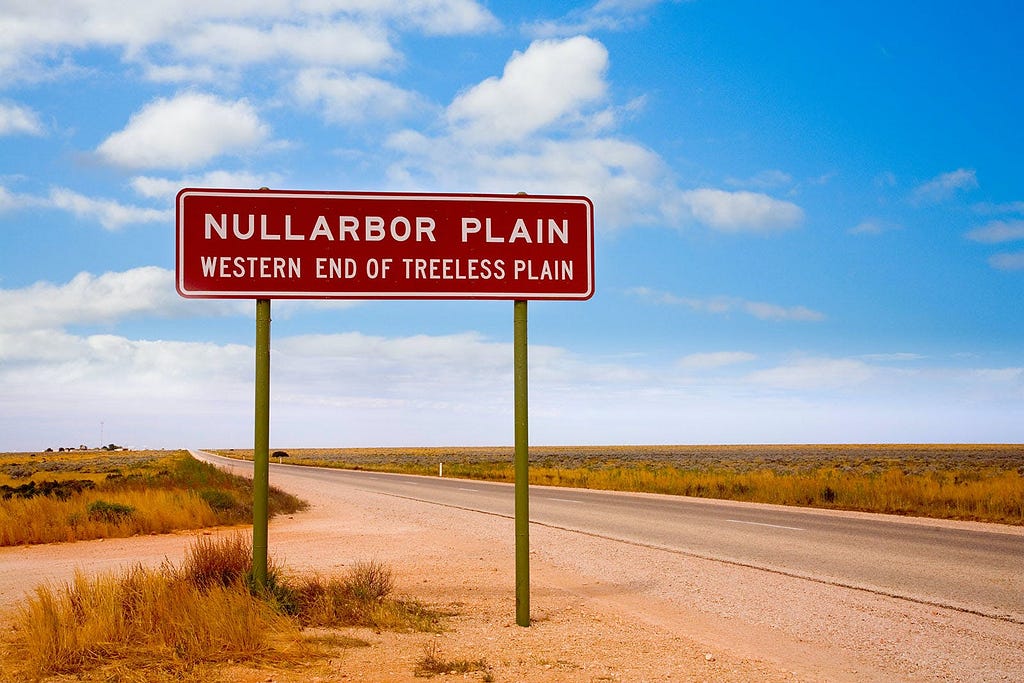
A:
(980, 482)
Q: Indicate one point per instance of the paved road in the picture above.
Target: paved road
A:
(971, 567)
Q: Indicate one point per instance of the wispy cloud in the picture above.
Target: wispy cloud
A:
(605, 15)
(345, 98)
(750, 212)
(714, 360)
(16, 119)
(997, 232)
(873, 226)
(172, 44)
(110, 214)
(1007, 261)
(988, 208)
(89, 299)
(154, 187)
(723, 305)
(945, 186)
(815, 373)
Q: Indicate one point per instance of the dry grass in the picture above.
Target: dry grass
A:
(983, 482)
(135, 493)
(183, 622)
(433, 663)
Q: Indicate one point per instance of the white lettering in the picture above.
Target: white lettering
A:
(554, 230)
(374, 228)
(267, 267)
(321, 229)
(404, 234)
(335, 268)
(469, 225)
(348, 225)
(425, 226)
(520, 232)
(288, 229)
(264, 235)
(220, 228)
(245, 235)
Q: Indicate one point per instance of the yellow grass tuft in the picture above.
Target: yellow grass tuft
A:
(175, 622)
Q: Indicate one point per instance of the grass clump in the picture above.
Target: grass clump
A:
(103, 511)
(360, 598)
(176, 621)
(432, 663)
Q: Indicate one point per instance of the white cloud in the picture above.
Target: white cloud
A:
(766, 311)
(628, 183)
(945, 186)
(1009, 261)
(10, 200)
(714, 360)
(55, 387)
(900, 356)
(16, 119)
(741, 211)
(722, 305)
(1007, 207)
(997, 232)
(503, 135)
(342, 43)
(89, 299)
(552, 82)
(873, 226)
(605, 15)
(324, 32)
(187, 130)
(436, 17)
(110, 214)
(815, 374)
(167, 188)
(181, 73)
(345, 98)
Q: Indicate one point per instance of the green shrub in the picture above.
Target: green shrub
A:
(102, 511)
(219, 499)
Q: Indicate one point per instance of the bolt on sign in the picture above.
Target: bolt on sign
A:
(263, 244)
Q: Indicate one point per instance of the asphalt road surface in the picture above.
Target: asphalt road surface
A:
(976, 568)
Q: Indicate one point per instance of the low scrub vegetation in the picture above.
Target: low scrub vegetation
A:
(433, 663)
(971, 482)
(72, 496)
(182, 622)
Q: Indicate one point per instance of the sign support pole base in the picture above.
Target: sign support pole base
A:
(261, 446)
(521, 464)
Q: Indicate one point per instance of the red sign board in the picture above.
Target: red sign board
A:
(267, 244)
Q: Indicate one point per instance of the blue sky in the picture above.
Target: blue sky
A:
(809, 218)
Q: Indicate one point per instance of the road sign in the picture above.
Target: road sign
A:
(263, 244)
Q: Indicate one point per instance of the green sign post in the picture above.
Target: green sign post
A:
(261, 446)
(521, 462)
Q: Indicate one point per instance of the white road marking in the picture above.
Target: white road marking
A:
(473, 490)
(566, 500)
(774, 526)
